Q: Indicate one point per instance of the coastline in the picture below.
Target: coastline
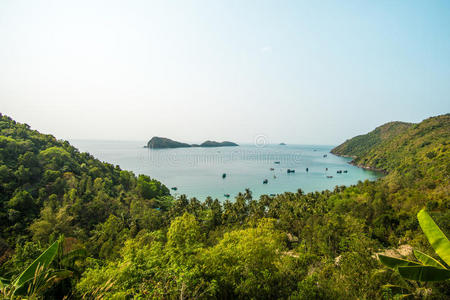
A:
(369, 168)
(353, 163)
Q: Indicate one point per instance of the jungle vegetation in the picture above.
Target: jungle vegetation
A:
(86, 229)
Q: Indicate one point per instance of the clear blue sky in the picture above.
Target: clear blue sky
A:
(294, 71)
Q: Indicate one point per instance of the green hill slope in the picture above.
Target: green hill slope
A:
(39, 172)
(403, 147)
(361, 144)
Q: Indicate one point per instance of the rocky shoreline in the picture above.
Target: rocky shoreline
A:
(353, 163)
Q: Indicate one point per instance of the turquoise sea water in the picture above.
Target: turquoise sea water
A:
(197, 172)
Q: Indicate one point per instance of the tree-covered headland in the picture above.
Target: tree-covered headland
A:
(100, 232)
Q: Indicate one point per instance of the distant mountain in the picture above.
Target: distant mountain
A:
(282, 144)
(403, 146)
(164, 143)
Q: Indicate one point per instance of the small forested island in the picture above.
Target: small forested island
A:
(217, 144)
(73, 227)
(282, 144)
(165, 143)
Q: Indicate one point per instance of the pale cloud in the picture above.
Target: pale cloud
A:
(266, 49)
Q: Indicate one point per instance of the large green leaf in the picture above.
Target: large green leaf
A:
(393, 263)
(424, 273)
(43, 260)
(427, 260)
(435, 236)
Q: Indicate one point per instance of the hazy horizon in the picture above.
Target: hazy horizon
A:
(298, 72)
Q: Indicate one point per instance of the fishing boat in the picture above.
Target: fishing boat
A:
(339, 172)
(290, 171)
(307, 169)
(174, 188)
(271, 169)
(227, 195)
(276, 162)
(224, 175)
(265, 181)
(329, 176)
(345, 171)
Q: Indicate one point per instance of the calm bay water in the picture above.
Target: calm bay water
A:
(197, 172)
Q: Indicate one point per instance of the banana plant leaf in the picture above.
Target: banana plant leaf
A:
(424, 273)
(43, 260)
(393, 263)
(427, 260)
(435, 236)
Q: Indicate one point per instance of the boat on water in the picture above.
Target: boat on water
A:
(290, 171)
(272, 195)
(265, 181)
(326, 169)
(329, 176)
(174, 188)
(325, 155)
(274, 177)
(345, 171)
(307, 169)
(227, 195)
(339, 172)
(224, 175)
(271, 169)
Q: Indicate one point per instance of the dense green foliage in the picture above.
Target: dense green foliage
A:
(134, 240)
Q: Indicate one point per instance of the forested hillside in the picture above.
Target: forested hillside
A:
(398, 145)
(361, 144)
(134, 240)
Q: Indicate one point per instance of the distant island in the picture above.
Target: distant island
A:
(165, 143)
(282, 144)
(217, 144)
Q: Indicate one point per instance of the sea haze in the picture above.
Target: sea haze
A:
(197, 172)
